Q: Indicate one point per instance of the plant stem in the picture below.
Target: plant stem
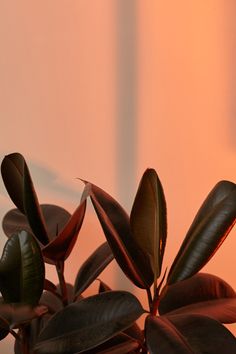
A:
(60, 272)
(149, 299)
(23, 337)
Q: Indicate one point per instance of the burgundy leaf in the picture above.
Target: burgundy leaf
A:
(116, 227)
(92, 267)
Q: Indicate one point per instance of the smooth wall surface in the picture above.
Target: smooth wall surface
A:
(103, 89)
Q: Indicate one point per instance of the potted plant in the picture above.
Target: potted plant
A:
(186, 308)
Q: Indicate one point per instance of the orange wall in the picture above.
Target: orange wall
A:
(103, 89)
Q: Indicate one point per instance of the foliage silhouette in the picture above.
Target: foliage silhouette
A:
(185, 314)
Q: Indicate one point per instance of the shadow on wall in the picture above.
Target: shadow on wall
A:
(47, 183)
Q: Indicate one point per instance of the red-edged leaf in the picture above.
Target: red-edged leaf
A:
(209, 229)
(148, 219)
(60, 248)
(86, 324)
(162, 337)
(18, 182)
(203, 294)
(188, 335)
(92, 267)
(116, 227)
(205, 335)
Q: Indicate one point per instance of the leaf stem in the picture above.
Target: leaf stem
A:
(60, 273)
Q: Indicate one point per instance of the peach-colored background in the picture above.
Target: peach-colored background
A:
(103, 89)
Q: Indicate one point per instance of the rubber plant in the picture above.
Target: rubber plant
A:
(187, 309)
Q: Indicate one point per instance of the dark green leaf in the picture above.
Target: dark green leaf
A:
(201, 294)
(17, 180)
(60, 248)
(89, 322)
(188, 335)
(116, 227)
(148, 219)
(21, 270)
(210, 227)
(92, 267)
(122, 348)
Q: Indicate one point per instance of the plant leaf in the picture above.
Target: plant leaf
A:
(21, 270)
(103, 287)
(113, 343)
(116, 227)
(60, 248)
(209, 229)
(92, 267)
(204, 334)
(203, 294)
(148, 219)
(86, 324)
(18, 182)
(18, 314)
(162, 337)
(188, 335)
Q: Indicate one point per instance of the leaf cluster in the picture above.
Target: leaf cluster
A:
(187, 309)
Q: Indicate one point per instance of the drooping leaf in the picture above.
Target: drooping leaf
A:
(116, 227)
(21, 270)
(209, 229)
(18, 182)
(188, 335)
(86, 324)
(148, 219)
(60, 248)
(203, 294)
(92, 267)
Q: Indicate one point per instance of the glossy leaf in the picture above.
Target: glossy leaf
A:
(188, 335)
(89, 322)
(60, 248)
(21, 270)
(148, 219)
(116, 227)
(203, 294)
(18, 182)
(92, 267)
(210, 227)
(162, 337)
(123, 348)
(204, 334)
(4, 328)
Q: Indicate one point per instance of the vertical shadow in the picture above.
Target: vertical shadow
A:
(126, 128)
(126, 121)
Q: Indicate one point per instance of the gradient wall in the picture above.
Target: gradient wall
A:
(103, 89)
